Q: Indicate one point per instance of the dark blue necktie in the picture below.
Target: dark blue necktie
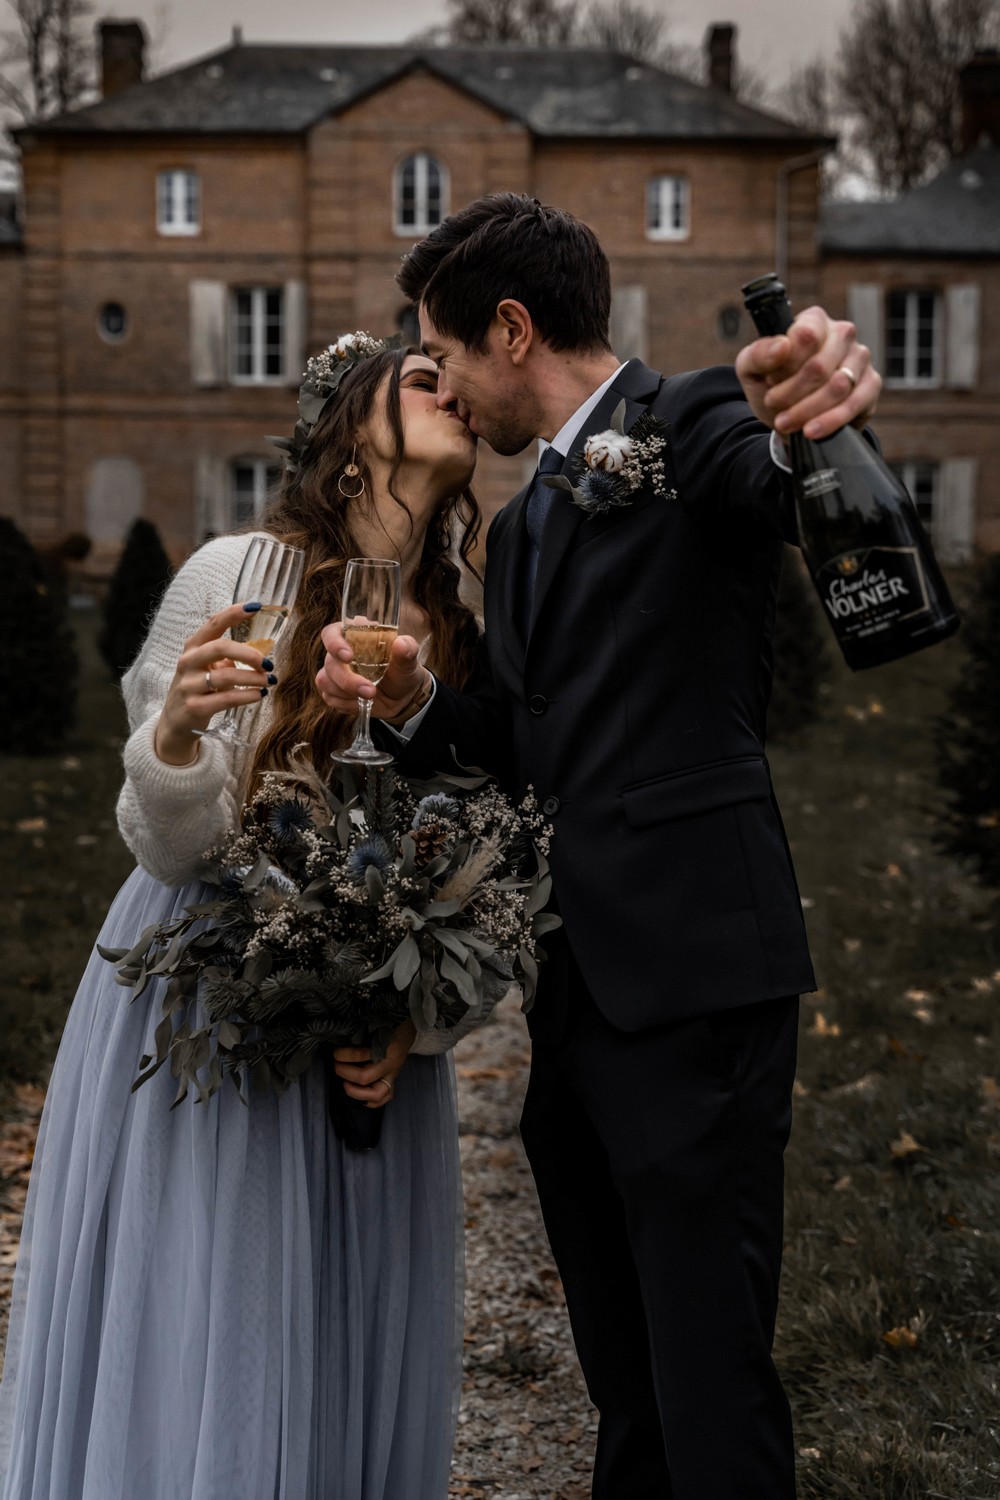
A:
(539, 504)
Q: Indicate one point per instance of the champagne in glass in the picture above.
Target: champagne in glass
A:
(370, 619)
(272, 573)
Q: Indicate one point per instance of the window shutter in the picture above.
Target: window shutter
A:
(208, 302)
(962, 335)
(629, 337)
(213, 511)
(955, 522)
(864, 308)
(294, 331)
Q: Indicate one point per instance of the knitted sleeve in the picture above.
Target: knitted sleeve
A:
(170, 815)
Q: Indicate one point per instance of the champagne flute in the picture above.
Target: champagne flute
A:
(272, 573)
(370, 617)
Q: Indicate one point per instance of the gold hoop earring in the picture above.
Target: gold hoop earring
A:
(352, 472)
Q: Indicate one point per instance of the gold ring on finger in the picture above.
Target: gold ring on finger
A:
(208, 683)
(388, 1084)
(844, 370)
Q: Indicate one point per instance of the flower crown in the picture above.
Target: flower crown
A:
(320, 383)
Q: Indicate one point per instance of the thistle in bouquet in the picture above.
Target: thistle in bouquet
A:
(337, 912)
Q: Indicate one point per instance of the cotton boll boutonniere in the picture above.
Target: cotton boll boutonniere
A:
(614, 465)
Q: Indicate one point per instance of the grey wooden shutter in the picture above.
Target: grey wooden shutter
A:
(213, 507)
(629, 324)
(294, 330)
(962, 337)
(864, 308)
(955, 518)
(208, 303)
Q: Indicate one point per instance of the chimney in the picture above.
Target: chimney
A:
(720, 43)
(123, 47)
(980, 84)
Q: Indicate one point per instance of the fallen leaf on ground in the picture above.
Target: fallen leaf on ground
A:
(31, 825)
(900, 1338)
(822, 1027)
(905, 1145)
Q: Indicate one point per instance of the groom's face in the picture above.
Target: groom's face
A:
(491, 393)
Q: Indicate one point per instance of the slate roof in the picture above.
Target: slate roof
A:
(555, 92)
(958, 213)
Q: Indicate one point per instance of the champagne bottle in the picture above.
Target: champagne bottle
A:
(870, 560)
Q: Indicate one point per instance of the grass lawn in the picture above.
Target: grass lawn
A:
(889, 1334)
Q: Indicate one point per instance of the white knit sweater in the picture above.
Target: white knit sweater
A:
(169, 815)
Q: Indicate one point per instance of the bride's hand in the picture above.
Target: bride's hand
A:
(366, 1080)
(208, 681)
(405, 679)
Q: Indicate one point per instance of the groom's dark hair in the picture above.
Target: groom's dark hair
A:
(509, 245)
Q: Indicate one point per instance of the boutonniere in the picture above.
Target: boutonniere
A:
(615, 465)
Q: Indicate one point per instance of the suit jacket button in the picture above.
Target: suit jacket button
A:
(538, 704)
(550, 806)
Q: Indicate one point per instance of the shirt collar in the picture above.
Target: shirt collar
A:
(569, 430)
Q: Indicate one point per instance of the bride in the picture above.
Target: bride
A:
(221, 1301)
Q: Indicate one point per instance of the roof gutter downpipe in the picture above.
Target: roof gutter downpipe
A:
(783, 177)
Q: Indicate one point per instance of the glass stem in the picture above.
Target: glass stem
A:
(362, 733)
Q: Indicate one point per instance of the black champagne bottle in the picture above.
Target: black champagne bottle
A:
(871, 562)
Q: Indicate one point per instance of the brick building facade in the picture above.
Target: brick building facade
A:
(186, 241)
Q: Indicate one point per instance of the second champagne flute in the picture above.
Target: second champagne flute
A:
(370, 619)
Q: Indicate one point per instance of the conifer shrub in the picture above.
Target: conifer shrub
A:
(38, 686)
(802, 661)
(968, 735)
(135, 590)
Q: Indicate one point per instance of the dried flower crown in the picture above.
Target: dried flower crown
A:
(320, 383)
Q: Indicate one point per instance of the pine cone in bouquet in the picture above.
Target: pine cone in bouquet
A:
(434, 827)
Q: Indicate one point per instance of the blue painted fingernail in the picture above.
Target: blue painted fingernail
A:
(267, 665)
(272, 679)
(251, 608)
(263, 692)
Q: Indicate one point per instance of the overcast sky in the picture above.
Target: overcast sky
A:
(772, 33)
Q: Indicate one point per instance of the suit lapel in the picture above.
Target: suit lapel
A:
(636, 384)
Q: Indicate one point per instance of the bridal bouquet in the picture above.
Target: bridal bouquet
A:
(337, 914)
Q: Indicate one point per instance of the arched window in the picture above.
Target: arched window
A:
(421, 193)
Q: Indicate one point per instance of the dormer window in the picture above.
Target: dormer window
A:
(421, 192)
(178, 202)
(668, 208)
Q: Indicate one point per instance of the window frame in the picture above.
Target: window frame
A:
(908, 470)
(668, 233)
(259, 375)
(262, 485)
(178, 198)
(422, 223)
(910, 380)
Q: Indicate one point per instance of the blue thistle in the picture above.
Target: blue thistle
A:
(286, 819)
(599, 490)
(231, 883)
(368, 851)
(435, 807)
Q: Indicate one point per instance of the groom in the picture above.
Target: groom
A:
(627, 667)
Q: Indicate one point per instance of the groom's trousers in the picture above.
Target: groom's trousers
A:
(658, 1161)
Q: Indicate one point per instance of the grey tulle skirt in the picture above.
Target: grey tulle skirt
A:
(221, 1301)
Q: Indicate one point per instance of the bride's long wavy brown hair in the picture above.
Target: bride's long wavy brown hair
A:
(310, 512)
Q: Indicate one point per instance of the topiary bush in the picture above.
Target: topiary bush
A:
(968, 736)
(38, 686)
(135, 589)
(802, 661)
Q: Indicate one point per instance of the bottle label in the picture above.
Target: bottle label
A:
(872, 590)
(820, 483)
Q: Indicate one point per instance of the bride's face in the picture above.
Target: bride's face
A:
(437, 444)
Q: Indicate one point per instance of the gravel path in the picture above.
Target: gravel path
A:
(526, 1429)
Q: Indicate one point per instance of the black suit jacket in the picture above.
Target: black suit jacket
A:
(635, 705)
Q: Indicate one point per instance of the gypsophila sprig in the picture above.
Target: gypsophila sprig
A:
(614, 465)
(337, 912)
